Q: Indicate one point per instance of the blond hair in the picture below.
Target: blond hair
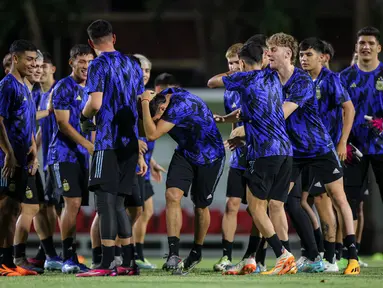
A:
(285, 40)
(233, 50)
(143, 59)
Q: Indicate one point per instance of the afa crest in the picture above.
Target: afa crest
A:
(28, 193)
(317, 92)
(66, 185)
(379, 84)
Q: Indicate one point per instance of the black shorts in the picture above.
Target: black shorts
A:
(149, 191)
(15, 187)
(34, 193)
(236, 184)
(269, 177)
(48, 189)
(113, 171)
(69, 180)
(325, 168)
(135, 199)
(203, 179)
(356, 181)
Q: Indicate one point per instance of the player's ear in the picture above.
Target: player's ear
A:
(53, 69)
(379, 49)
(15, 58)
(90, 42)
(114, 39)
(71, 62)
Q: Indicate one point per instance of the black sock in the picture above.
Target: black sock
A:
(350, 244)
(260, 256)
(140, 251)
(40, 253)
(96, 255)
(19, 250)
(276, 244)
(128, 255)
(107, 260)
(252, 246)
(67, 248)
(227, 248)
(319, 240)
(344, 251)
(329, 251)
(48, 247)
(117, 251)
(286, 244)
(338, 250)
(357, 247)
(8, 257)
(174, 245)
(196, 252)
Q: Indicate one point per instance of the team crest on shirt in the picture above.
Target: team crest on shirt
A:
(317, 92)
(28, 193)
(66, 185)
(12, 187)
(379, 84)
(234, 105)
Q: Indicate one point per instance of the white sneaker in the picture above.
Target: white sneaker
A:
(118, 260)
(362, 264)
(249, 266)
(262, 268)
(330, 267)
(222, 264)
(234, 269)
(301, 261)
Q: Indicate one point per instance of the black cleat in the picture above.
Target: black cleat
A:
(186, 266)
(172, 263)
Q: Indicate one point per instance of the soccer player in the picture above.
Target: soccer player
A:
(17, 154)
(312, 145)
(334, 105)
(197, 162)
(113, 84)
(269, 149)
(45, 220)
(68, 152)
(328, 54)
(365, 133)
(7, 63)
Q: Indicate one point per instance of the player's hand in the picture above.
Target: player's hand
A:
(142, 147)
(376, 124)
(143, 168)
(239, 115)
(234, 143)
(90, 147)
(341, 149)
(147, 95)
(156, 171)
(10, 164)
(238, 132)
(219, 118)
(86, 124)
(33, 166)
(354, 156)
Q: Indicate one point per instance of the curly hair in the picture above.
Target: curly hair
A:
(285, 40)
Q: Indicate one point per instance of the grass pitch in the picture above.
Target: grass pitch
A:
(203, 276)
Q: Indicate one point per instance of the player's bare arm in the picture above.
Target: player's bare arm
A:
(349, 114)
(216, 81)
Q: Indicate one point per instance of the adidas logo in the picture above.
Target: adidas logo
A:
(318, 185)
(25, 98)
(336, 171)
(234, 105)
(353, 85)
(78, 97)
(210, 196)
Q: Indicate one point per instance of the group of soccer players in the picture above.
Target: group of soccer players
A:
(295, 133)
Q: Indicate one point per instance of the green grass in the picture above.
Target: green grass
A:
(203, 276)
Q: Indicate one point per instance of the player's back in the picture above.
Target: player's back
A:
(119, 78)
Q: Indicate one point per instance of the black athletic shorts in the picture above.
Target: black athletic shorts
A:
(49, 196)
(326, 168)
(34, 193)
(113, 170)
(269, 177)
(149, 191)
(203, 179)
(135, 199)
(69, 180)
(16, 186)
(236, 184)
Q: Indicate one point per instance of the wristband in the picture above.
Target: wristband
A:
(83, 118)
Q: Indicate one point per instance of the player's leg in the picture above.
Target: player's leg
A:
(326, 213)
(260, 256)
(95, 238)
(235, 192)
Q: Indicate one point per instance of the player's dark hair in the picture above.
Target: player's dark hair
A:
(20, 46)
(153, 105)
(328, 49)
(80, 50)
(7, 61)
(165, 79)
(99, 29)
(48, 59)
(312, 43)
(251, 53)
(259, 39)
(369, 31)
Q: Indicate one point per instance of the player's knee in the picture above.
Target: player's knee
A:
(72, 205)
(30, 209)
(147, 213)
(232, 205)
(173, 195)
(200, 211)
(276, 206)
(134, 212)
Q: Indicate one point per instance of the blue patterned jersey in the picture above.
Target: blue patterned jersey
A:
(331, 95)
(16, 107)
(232, 102)
(119, 78)
(46, 125)
(306, 130)
(366, 93)
(261, 106)
(148, 155)
(68, 95)
(195, 130)
(36, 94)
